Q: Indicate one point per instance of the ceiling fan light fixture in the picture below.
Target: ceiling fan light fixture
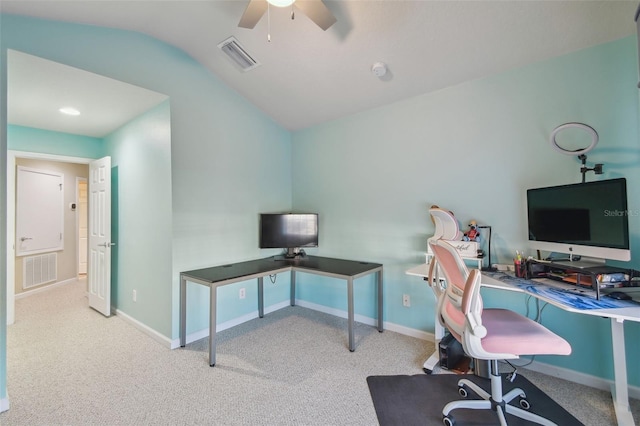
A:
(281, 3)
(69, 111)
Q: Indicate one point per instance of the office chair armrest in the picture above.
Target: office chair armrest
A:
(472, 305)
(472, 302)
(476, 327)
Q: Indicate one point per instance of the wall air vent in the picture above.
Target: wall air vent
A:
(238, 54)
(39, 269)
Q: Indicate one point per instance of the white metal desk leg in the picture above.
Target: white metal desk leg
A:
(619, 390)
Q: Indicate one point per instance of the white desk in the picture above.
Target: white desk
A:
(422, 271)
(616, 315)
(471, 259)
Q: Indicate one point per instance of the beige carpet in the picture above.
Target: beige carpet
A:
(69, 365)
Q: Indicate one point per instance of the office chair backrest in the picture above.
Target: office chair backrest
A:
(446, 225)
(458, 306)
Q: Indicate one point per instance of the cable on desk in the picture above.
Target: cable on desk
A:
(526, 304)
(539, 310)
(539, 318)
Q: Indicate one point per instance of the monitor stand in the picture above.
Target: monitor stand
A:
(579, 262)
(291, 253)
(583, 263)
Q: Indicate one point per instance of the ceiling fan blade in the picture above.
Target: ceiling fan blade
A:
(252, 14)
(317, 12)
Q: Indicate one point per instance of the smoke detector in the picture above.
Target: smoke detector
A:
(379, 69)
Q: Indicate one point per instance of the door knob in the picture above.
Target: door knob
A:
(23, 239)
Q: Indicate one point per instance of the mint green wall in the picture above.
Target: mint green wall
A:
(229, 161)
(141, 219)
(20, 138)
(474, 149)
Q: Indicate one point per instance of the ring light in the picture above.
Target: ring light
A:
(588, 129)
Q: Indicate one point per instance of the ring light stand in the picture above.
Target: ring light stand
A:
(581, 153)
(597, 169)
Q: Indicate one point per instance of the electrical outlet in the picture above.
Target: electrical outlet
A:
(243, 293)
(406, 300)
(135, 296)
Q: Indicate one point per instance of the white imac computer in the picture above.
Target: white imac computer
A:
(583, 219)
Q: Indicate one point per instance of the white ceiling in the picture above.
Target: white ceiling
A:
(38, 88)
(309, 76)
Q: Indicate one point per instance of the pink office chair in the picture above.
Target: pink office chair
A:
(488, 334)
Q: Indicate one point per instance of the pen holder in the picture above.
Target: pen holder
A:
(520, 268)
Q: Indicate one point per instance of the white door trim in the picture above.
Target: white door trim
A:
(78, 218)
(11, 216)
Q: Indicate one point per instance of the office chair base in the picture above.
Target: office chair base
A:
(498, 403)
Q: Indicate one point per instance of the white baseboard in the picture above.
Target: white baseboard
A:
(412, 332)
(580, 378)
(160, 338)
(200, 334)
(4, 404)
(550, 370)
(45, 288)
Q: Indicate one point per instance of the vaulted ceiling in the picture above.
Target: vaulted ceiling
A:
(308, 76)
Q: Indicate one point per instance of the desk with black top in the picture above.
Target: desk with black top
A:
(218, 276)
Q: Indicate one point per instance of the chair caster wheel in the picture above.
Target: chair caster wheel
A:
(426, 370)
(463, 391)
(524, 404)
(448, 420)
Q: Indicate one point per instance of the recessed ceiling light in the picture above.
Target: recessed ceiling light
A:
(69, 111)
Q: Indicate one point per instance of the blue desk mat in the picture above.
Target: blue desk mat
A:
(569, 297)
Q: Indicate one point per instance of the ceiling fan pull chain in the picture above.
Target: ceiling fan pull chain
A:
(268, 22)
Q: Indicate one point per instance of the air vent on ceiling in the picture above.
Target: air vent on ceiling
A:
(238, 54)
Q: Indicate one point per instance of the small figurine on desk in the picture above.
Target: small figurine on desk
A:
(472, 234)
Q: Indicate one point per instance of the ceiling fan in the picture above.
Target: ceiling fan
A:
(314, 9)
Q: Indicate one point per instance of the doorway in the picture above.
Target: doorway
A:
(108, 106)
(13, 158)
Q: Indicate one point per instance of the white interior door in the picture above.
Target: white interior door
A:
(99, 271)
